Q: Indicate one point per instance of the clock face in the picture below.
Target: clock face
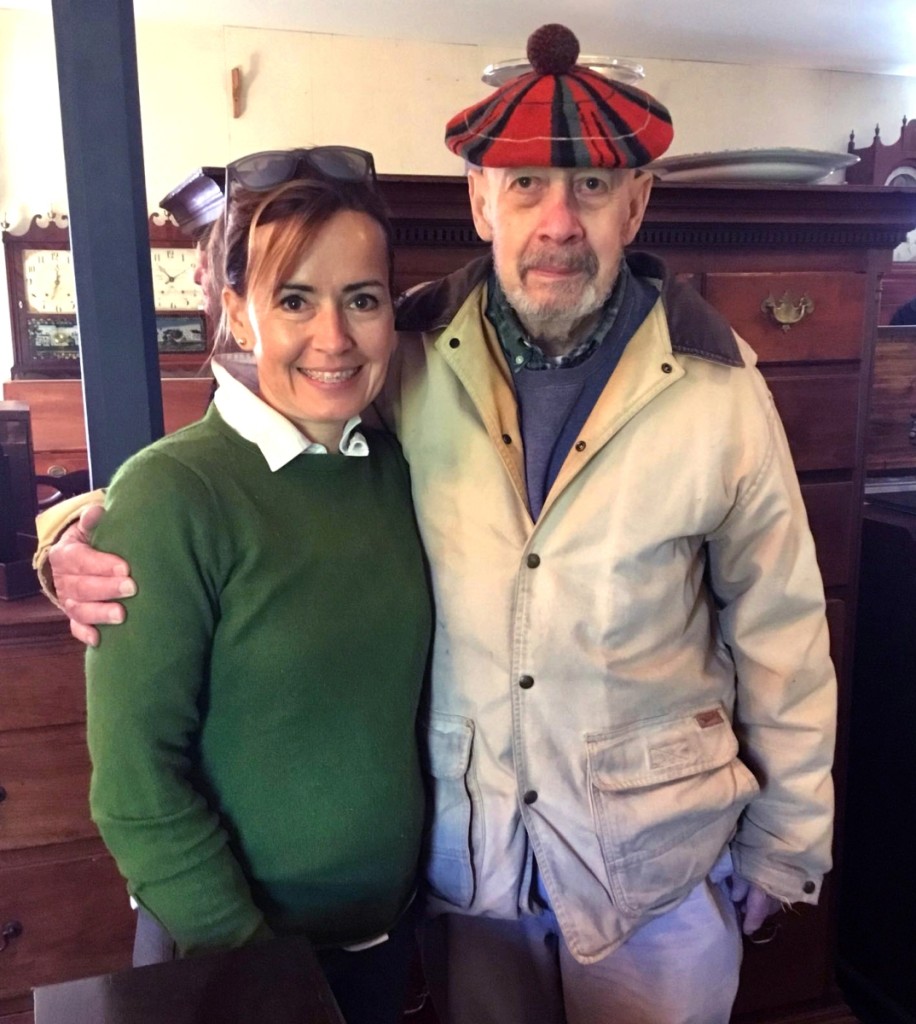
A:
(49, 285)
(173, 280)
(902, 177)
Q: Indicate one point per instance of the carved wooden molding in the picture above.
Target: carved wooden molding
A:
(436, 234)
(434, 211)
(43, 232)
(770, 236)
(878, 161)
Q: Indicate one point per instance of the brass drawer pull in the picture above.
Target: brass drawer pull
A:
(11, 930)
(786, 312)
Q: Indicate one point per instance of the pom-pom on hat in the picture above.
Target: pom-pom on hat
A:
(561, 115)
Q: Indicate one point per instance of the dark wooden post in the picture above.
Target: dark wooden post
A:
(103, 150)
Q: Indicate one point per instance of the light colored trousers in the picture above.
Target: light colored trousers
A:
(152, 943)
(680, 968)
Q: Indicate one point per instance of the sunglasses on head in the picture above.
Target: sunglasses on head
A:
(260, 172)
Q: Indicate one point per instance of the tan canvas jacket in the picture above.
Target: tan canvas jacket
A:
(640, 677)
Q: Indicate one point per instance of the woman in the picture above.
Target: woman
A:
(252, 727)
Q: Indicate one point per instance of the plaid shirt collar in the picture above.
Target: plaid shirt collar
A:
(522, 353)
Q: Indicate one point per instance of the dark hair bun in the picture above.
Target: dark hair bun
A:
(552, 50)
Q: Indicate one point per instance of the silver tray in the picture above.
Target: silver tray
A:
(802, 166)
(626, 71)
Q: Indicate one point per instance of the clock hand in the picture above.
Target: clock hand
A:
(168, 277)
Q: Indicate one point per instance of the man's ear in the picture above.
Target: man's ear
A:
(478, 191)
(640, 186)
(235, 309)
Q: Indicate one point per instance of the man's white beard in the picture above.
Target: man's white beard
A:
(554, 319)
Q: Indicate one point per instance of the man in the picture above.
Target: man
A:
(631, 709)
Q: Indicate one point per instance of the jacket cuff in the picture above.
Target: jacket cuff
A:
(50, 525)
(785, 883)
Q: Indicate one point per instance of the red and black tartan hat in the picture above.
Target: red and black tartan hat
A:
(561, 115)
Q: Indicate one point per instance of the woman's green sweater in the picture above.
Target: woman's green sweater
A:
(251, 725)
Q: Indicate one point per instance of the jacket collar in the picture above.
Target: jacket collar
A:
(695, 328)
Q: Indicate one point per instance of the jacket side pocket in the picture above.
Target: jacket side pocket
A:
(447, 759)
(666, 796)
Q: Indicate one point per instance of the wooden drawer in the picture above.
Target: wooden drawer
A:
(776, 973)
(819, 414)
(890, 440)
(48, 463)
(831, 514)
(42, 685)
(833, 330)
(76, 922)
(45, 773)
(898, 287)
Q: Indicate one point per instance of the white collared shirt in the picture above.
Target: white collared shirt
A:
(279, 440)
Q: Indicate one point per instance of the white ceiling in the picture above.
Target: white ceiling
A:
(877, 36)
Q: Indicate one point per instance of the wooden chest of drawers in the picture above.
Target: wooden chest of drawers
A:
(63, 907)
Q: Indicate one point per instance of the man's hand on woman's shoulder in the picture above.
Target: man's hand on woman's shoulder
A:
(88, 583)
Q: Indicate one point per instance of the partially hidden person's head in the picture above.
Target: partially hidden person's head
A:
(554, 158)
(307, 267)
(207, 275)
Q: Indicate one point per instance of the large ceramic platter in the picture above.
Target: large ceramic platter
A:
(626, 71)
(802, 166)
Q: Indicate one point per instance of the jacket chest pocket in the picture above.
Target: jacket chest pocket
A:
(666, 797)
(447, 760)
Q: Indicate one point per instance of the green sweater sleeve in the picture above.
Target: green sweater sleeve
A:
(145, 682)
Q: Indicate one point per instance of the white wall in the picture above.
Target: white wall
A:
(392, 97)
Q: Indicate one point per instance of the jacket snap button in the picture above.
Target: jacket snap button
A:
(454, 343)
(507, 439)
(533, 561)
(530, 796)
(526, 682)
(666, 367)
(809, 887)
(580, 446)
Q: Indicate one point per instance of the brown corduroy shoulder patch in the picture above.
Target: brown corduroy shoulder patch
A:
(432, 306)
(695, 327)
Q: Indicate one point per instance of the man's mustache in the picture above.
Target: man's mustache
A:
(581, 261)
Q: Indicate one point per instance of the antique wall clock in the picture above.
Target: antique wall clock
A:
(181, 327)
(43, 299)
